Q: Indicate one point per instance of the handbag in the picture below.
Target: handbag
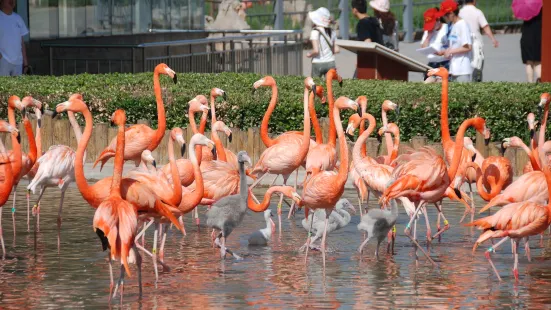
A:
(478, 53)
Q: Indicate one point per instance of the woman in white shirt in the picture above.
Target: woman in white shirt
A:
(435, 36)
(324, 45)
(460, 44)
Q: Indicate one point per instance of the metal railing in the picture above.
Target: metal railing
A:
(278, 53)
(283, 14)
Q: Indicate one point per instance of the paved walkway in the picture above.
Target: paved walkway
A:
(501, 64)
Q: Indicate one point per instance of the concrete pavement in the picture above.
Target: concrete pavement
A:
(503, 63)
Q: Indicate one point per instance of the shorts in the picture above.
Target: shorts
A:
(464, 78)
(9, 69)
(319, 69)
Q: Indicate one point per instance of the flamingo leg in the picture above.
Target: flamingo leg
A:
(429, 235)
(515, 266)
(196, 213)
(279, 211)
(163, 239)
(472, 202)
(36, 207)
(364, 243)
(258, 181)
(323, 246)
(291, 211)
(527, 249)
(222, 246)
(181, 221)
(407, 232)
(2, 236)
(493, 249)
(446, 223)
(60, 209)
(13, 212)
(28, 211)
(139, 264)
(145, 227)
(309, 238)
(112, 283)
(154, 252)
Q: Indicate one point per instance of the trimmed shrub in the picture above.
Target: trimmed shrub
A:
(503, 105)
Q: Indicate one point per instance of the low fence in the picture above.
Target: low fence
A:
(60, 132)
(263, 53)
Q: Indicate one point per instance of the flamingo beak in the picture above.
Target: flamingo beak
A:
(18, 138)
(351, 137)
(397, 111)
(175, 78)
(540, 111)
(54, 114)
(473, 157)
(154, 164)
(504, 145)
(379, 139)
(486, 141)
(230, 137)
(214, 153)
(359, 110)
(183, 150)
(340, 82)
(457, 192)
(532, 133)
(224, 95)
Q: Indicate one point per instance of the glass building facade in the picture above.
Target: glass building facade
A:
(51, 19)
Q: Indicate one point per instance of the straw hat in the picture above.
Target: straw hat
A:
(320, 17)
(380, 5)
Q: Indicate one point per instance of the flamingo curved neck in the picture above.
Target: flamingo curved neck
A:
(314, 118)
(541, 137)
(388, 138)
(444, 123)
(220, 151)
(85, 189)
(458, 148)
(76, 128)
(261, 207)
(331, 75)
(118, 163)
(191, 200)
(193, 126)
(305, 146)
(266, 119)
(360, 143)
(343, 149)
(38, 133)
(532, 156)
(32, 143)
(212, 109)
(17, 163)
(364, 145)
(161, 117)
(177, 193)
(395, 147)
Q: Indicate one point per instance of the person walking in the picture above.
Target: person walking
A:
(435, 35)
(13, 56)
(475, 19)
(460, 43)
(368, 28)
(324, 46)
(387, 22)
(530, 46)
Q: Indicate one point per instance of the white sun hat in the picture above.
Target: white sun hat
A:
(320, 17)
(380, 5)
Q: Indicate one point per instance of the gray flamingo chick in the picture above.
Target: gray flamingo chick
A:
(337, 220)
(228, 212)
(261, 237)
(377, 223)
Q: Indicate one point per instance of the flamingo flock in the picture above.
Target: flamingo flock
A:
(126, 204)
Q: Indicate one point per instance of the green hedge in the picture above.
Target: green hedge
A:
(504, 105)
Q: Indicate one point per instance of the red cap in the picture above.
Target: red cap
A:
(431, 16)
(448, 6)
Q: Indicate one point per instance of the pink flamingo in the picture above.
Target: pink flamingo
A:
(7, 184)
(515, 221)
(116, 219)
(56, 168)
(324, 188)
(391, 155)
(287, 155)
(185, 167)
(424, 180)
(140, 136)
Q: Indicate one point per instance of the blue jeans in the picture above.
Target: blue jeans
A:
(445, 64)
